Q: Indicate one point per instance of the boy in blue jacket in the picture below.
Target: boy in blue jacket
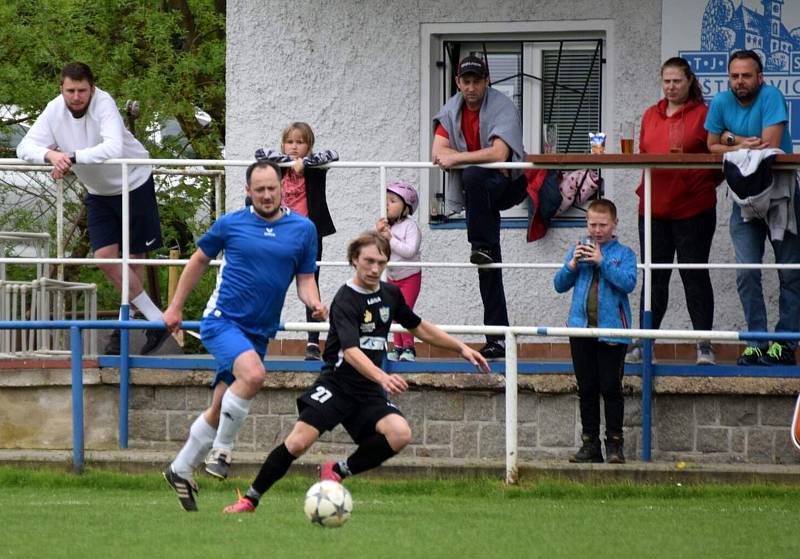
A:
(601, 271)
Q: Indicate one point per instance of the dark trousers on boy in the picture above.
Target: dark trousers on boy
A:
(599, 367)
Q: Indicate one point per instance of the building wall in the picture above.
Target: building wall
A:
(355, 69)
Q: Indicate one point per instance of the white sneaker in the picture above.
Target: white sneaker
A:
(634, 354)
(705, 354)
(394, 355)
(409, 354)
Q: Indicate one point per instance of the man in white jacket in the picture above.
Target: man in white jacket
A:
(77, 130)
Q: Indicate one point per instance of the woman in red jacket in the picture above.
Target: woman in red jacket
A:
(683, 201)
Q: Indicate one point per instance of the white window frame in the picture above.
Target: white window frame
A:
(532, 89)
(432, 88)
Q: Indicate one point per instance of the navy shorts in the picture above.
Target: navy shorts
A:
(104, 217)
(226, 341)
(330, 402)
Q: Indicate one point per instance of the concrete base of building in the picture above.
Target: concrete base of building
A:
(246, 465)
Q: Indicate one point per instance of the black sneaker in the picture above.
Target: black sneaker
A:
(778, 354)
(112, 345)
(589, 451)
(481, 256)
(183, 487)
(312, 353)
(218, 463)
(493, 351)
(614, 453)
(155, 339)
(750, 356)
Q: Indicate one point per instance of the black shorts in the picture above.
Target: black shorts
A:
(329, 403)
(104, 217)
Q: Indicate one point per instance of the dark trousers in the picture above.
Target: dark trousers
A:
(313, 337)
(691, 239)
(598, 369)
(487, 193)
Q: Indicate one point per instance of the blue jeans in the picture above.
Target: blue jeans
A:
(748, 243)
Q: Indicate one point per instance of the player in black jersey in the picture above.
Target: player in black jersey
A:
(352, 389)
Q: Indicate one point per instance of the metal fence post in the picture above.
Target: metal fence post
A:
(124, 310)
(76, 347)
(512, 473)
(647, 317)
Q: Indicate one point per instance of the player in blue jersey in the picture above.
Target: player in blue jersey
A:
(353, 389)
(265, 246)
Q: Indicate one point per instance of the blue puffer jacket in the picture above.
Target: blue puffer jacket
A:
(617, 279)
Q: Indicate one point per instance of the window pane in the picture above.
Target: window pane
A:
(571, 96)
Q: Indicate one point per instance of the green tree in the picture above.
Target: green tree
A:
(169, 55)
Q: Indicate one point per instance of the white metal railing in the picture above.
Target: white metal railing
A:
(510, 333)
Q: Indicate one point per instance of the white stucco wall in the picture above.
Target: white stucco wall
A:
(354, 70)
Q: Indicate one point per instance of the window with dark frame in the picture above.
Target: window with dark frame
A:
(570, 78)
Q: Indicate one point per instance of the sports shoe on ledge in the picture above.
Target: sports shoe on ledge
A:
(614, 450)
(243, 504)
(705, 354)
(778, 354)
(750, 356)
(394, 354)
(112, 345)
(155, 339)
(408, 354)
(218, 463)
(313, 353)
(481, 256)
(589, 452)
(634, 354)
(493, 351)
(185, 489)
(326, 472)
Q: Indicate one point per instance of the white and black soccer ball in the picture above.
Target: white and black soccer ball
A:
(328, 503)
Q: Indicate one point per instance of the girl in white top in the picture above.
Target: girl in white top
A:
(405, 238)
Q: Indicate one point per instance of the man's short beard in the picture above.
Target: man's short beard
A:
(79, 114)
(269, 216)
(749, 97)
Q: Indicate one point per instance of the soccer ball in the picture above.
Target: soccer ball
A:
(328, 503)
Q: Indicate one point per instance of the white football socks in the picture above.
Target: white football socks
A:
(234, 412)
(146, 306)
(201, 435)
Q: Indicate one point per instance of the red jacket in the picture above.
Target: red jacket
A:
(677, 193)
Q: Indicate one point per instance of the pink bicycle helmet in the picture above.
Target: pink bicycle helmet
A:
(407, 192)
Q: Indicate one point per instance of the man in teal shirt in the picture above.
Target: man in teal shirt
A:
(753, 115)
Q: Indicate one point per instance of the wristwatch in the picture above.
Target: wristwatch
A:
(72, 157)
(730, 139)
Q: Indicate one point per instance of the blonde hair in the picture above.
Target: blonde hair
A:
(305, 132)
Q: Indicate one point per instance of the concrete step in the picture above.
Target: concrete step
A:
(246, 465)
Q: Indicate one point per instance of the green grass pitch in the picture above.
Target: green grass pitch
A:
(102, 514)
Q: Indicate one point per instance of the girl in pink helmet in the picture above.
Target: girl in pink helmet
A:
(404, 238)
